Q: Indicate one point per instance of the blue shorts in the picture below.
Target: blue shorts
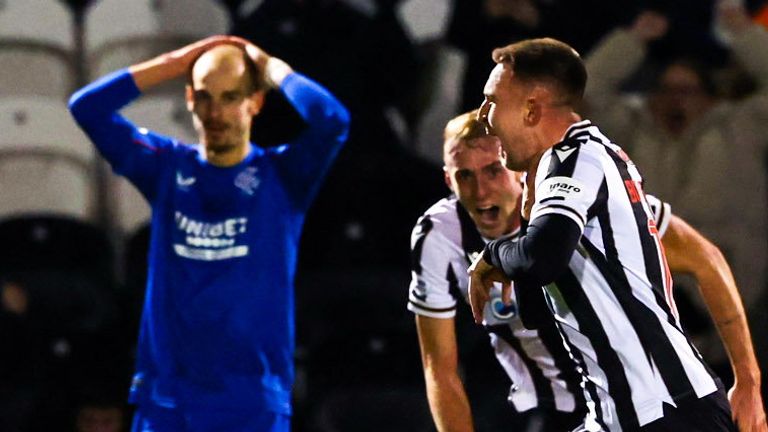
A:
(153, 418)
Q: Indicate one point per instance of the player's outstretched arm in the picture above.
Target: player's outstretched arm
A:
(690, 252)
(439, 355)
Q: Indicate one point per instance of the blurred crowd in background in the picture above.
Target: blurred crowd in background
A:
(680, 85)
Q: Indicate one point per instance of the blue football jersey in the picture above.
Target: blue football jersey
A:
(217, 328)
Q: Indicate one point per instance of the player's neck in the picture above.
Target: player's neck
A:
(553, 131)
(227, 157)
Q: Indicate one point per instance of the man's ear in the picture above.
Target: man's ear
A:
(532, 112)
(539, 97)
(189, 95)
(534, 104)
(256, 102)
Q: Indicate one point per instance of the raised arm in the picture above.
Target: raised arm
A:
(173, 64)
(439, 356)
(746, 36)
(304, 162)
(689, 252)
(133, 152)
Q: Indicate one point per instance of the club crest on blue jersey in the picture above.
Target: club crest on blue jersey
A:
(247, 180)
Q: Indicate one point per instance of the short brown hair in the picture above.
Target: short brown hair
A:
(547, 60)
(460, 131)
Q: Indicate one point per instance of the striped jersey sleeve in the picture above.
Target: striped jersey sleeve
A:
(437, 262)
(662, 213)
(568, 182)
(614, 304)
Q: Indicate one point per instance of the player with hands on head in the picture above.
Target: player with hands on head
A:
(216, 342)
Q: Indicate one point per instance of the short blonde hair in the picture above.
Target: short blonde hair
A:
(460, 131)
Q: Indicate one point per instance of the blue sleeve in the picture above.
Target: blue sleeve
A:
(304, 162)
(540, 256)
(131, 151)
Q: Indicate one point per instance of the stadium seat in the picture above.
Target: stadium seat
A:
(35, 48)
(195, 18)
(31, 69)
(119, 33)
(46, 162)
(45, 22)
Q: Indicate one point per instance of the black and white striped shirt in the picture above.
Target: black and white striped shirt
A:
(443, 244)
(614, 302)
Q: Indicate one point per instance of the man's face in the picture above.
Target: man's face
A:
(679, 99)
(489, 192)
(503, 112)
(221, 102)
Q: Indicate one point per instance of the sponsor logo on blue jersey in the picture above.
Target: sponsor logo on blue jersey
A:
(210, 241)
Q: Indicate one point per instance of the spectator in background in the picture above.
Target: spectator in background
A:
(479, 26)
(693, 147)
(696, 150)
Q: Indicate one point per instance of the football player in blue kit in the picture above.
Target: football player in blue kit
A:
(216, 340)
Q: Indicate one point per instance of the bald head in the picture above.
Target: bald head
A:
(225, 60)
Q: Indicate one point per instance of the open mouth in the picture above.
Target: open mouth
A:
(488, 214)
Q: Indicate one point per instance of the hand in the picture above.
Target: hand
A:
(649, 26)
(481, 279)
(183, 57)
(175, 63)
(747, 407)
(258, 55)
